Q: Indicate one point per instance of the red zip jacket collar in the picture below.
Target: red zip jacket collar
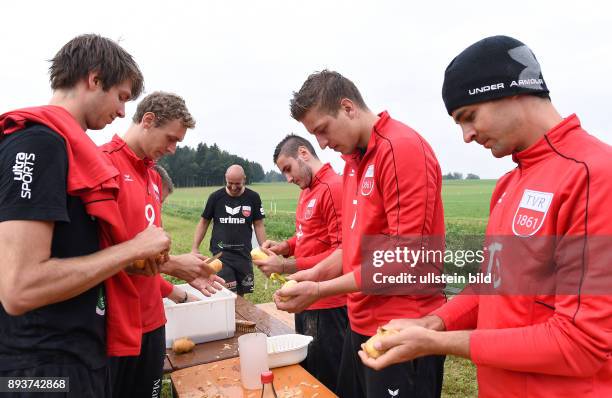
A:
(118, 143)
(378, 129)
(542, 149)
(143, 165)
(325, 171)
(92, 178)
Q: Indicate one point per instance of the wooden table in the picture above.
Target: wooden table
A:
(228, 348)
(222, 379)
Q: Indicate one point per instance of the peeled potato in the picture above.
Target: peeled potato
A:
(258, 254)
(216, 265)
(182, 345)
(289, 283)
(369, 345)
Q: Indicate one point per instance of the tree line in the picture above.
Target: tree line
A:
(206, 166)
(459, 176)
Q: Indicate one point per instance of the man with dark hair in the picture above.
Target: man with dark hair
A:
(290, 146)
(236, 211)
(164, 120)
(542, 327)
(317, 235)
(392, 187)
(58, 209)
(84, 54)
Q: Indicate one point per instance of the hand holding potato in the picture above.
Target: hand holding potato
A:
(296, 297)
(391, 347)
(369, 346)
(258, 254)
(271, 264)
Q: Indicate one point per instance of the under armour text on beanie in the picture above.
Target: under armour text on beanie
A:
(492, 68)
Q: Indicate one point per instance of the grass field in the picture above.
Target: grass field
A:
(465, 201)
(466, 208)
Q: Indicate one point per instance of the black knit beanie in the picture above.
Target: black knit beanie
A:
(492, 68)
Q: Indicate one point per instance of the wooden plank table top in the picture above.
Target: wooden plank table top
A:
(228, 348)
(222, 380)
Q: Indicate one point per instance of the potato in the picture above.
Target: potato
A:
(216, 265)
(258, 254)
(160, 258)
(289, 283)
(182, 345)
(368, 347)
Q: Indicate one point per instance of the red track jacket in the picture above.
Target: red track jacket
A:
(140, 205)
(394, 188)
(546, 345)
(318, 226)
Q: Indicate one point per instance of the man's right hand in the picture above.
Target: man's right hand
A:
(281, 248)
(148, 245)
(188, 267)
(151, 242)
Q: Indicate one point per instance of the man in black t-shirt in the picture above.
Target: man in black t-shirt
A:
(235, 211)
(53, 301)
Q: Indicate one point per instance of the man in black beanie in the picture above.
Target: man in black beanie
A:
(542, 326)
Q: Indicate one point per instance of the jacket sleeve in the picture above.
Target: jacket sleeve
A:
(291, 242)
(409, 183)
(460, 313)
(165, 287)
(575, 339)
(303, 263)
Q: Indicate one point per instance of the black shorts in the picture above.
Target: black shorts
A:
(419, 378)
(328, 327)
(141, 376)
(238, 273)
(82, 381)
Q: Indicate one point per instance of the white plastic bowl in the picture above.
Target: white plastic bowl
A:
(287, 349)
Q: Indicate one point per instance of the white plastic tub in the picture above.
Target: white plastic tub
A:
(287, 349)
(212, 318)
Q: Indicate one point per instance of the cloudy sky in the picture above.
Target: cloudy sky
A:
(237, 62)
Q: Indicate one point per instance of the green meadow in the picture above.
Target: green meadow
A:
(466, 207)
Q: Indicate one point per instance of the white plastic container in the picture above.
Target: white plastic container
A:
(212, 318)
(287, 349)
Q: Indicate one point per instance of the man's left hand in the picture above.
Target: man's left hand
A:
(410, 343)
(298, 297)
(208, 286)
